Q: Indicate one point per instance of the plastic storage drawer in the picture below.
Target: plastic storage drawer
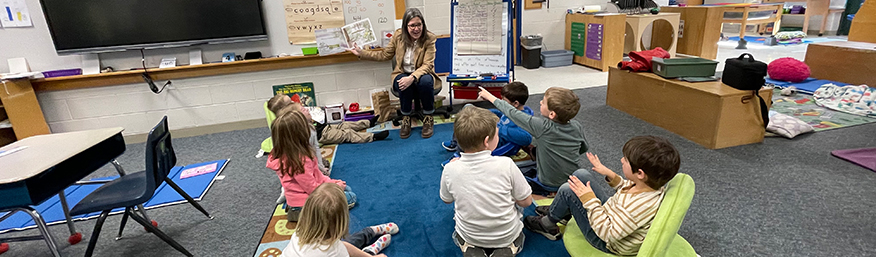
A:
(556, 58)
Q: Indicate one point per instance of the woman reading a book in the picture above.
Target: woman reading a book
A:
(413, 49)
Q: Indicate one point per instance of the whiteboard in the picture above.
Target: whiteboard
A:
(380, 12)
(477, 64)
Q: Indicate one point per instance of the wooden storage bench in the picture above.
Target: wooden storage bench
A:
(711, 114)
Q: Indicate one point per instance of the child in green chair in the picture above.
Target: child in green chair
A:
(614, 222)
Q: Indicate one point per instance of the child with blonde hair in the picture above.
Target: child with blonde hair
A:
(486, 190)
(325, 222)
(294, 160)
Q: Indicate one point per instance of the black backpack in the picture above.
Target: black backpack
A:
(747, 74)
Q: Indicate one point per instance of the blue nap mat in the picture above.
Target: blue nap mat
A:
(52, 211)
(808, 86)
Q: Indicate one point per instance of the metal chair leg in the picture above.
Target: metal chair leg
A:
(124, 221)
(96, 233)
(187, 197)
(160, 234)
(41, 224)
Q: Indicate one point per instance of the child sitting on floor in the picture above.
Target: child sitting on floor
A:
(294, 161)
(325, 222)
(345, 132)
(511, 137)
(277, 103)
(486, 190)
(615, 223)
(559, 140)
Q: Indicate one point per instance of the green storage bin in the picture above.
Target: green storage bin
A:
(683, 67)
(309, 50)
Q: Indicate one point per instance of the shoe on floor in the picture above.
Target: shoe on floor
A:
(405, 131)
(543, 226)
(380, 135)
(455, 155)
(428, 126)
(474, 251)
(545, 210)
(450, 146)
(373, 121)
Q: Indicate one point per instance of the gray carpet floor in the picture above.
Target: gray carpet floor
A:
(778, 198)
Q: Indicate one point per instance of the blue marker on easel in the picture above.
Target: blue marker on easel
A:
(9, 12)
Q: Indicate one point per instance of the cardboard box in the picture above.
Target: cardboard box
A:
(843, 61)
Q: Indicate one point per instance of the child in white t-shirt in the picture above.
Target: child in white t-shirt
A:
(486, 190)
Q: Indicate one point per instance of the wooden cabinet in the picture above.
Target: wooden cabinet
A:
(20, 112)
(711, 114)
(597, 40)
(701, 29)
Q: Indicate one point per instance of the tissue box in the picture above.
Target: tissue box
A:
(334, 113)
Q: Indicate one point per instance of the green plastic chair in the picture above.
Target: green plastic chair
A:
(662, 239)
(267, 144)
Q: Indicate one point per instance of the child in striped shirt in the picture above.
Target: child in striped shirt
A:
(613, 222)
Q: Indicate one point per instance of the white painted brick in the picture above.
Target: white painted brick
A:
(417, 3)
(440, 25)
(346, 97)
(232, 92)
(188, 97)
(436, 9)
(250, 110)
(118, 104)
(357, 79)
(382, 78)
(75, 125)
(177, 118)
(136, 123)
(94, 91)
(215, 114)
(55, 110)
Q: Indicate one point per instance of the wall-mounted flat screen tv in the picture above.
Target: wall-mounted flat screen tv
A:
(94, 26)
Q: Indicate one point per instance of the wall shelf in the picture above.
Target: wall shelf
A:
(188, 71)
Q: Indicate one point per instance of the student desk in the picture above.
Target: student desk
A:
(48, 165)
(711, 114)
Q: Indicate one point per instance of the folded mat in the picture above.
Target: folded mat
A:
(865, 157)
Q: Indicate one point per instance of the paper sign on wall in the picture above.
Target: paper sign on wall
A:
(303, 17)
(15, 14)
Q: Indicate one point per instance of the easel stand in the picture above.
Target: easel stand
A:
(466, 69)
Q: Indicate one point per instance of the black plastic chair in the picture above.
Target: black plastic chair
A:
(136, 188)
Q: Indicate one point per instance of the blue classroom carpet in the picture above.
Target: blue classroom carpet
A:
(52, 211)
(397, 180)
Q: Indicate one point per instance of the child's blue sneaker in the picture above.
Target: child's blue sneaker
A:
(450, 146)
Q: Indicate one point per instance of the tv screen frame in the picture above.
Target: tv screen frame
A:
(224, 39)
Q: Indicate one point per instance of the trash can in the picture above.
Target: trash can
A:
(531, 57)
(531, 52)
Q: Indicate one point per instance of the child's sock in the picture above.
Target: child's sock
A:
(378, 246)
(374, 120)
(380, 135)
(386, 228)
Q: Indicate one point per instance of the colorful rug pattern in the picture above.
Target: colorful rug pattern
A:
(803, 107)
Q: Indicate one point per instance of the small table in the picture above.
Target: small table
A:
(711, 114)
(49, 164)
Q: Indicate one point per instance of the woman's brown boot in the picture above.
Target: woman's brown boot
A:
(405, 130)
(428, 126)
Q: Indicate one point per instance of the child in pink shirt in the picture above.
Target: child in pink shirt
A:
(293, 160)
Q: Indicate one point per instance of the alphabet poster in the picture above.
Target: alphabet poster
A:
(303, 17)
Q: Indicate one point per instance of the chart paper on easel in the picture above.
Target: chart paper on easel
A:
(479, 29)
